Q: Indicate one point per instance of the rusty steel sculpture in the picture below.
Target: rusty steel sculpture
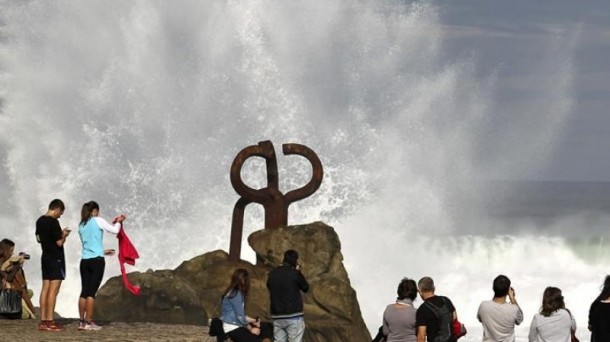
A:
(274, 202)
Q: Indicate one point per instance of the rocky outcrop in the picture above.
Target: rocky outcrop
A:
(191, 293)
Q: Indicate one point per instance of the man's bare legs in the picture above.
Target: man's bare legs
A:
(52, 292)
(48, 298)
(44, 293)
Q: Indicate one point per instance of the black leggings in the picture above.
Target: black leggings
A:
(242, 334)
(91, 274)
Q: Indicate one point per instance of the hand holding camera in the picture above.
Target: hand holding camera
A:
(20, 258)
(66, 231)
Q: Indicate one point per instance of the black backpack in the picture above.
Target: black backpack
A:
(445, 321)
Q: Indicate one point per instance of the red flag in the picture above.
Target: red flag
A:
(127, 254)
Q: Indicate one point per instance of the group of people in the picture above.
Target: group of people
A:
(285, 284)
(402, 322)
(52, 239)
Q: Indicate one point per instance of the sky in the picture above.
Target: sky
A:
(512, 39)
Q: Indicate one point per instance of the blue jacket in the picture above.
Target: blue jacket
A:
(233, 309)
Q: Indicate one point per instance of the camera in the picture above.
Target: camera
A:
(24, 255)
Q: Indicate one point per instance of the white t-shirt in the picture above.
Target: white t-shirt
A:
(499, 320)
(554, 328)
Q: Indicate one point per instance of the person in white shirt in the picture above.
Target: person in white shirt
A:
(554, 323)
(498, 316)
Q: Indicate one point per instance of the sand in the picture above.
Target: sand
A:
(26, 330)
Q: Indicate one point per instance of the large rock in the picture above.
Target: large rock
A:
(191, 293)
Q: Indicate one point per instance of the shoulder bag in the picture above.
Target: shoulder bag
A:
(10, 301)
(573, 337)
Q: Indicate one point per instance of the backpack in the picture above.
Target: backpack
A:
(445, 321)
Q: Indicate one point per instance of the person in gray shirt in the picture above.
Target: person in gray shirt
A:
(554, 323)
(498, 316)
(399, 317)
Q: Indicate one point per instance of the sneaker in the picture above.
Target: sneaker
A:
(49, 326)
(91, 326)
(54, 326)
(42, 326)
(81, 325)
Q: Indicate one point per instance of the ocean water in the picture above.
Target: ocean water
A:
(143, 105)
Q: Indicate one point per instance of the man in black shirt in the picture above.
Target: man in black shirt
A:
(285, 284)
(53, 263)
(426, 321)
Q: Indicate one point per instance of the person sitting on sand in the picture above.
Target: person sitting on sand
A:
(236, 324)
(13, 276)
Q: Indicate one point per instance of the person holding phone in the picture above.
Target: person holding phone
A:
(498, 316)
(51, 238)
(91, 231)
(285, 284)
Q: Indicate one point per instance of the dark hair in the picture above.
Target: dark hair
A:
(552, 300)
(85, 213)
(605, 290)
(407, 289)
(57, 204)
(240, 281)
(5, 249)
(291, 257)
(426, 284)
(501, 286)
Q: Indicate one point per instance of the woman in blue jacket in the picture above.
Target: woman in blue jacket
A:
(91, 230)
(236, 324)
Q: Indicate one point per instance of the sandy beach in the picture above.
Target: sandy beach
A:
(26, 330)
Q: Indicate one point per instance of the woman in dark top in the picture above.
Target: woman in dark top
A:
(599, 314)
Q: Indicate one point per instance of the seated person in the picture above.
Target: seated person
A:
(236, 324)
(12, 275)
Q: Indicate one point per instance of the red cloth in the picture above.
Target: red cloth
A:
(127, 254)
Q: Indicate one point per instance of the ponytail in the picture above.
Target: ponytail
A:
(87, 210)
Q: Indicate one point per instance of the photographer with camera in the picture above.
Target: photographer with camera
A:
(285, 284)
(499, 316)
(13, 276)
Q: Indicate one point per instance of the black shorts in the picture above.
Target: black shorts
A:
(53, 268)
(91, 274)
